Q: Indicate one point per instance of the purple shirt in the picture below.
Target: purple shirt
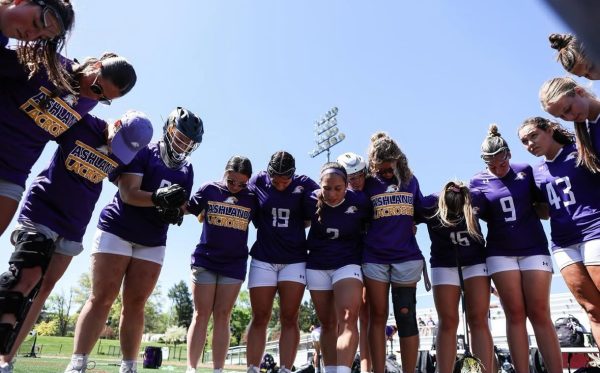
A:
(3, 40)
(24, 127)
(280, 236)
(62, 197)
(573, 195)
(447, 242)
(336, 241)
(143, 225)
(223, 246)
(506, 204)
(390, 237)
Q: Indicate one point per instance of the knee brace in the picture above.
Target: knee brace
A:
(31, 250)
(404, 301)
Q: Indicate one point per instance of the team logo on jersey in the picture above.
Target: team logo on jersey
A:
(572, 155)
(392, 188)
(485, 181)
(70, 99)
(298, 190)
(55, 117)
(89, 163)
(351, 210)
(103, 149)
(231, 199)
(520, 176)
(225, 214)
(392, 204)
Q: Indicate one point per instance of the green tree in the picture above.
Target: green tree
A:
(82, 291)
(59, 307)
(182, 304)
(307, 316)
(240, 318)
(155, 320)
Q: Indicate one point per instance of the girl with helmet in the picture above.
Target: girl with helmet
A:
(220, 259)
(61, 199)
(41, 27)
(333, 273)
(129, 244)
(278, 257)
(34, 111)
(456, 240)
(517, 255)
(572, 195)
(356, 168)
(391, 256)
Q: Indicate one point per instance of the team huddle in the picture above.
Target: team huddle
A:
(361, 217)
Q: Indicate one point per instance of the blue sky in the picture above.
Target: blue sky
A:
(433, 74)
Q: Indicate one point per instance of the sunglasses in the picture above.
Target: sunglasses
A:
(233, 183)
(384, 171)
(44, 21)
(97, 89)
(499, 156)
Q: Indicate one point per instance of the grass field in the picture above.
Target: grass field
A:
(54, 354)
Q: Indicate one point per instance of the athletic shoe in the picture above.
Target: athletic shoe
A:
(8, 368)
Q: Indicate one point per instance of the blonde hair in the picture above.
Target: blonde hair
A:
(552, 91)
(454, 206)
(493, 141)
(384, 149)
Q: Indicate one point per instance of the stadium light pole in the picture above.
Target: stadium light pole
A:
(327, 134)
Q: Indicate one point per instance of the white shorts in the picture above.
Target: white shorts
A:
(449, 275)
(397, 273)
(11, 190)
(203, 276)
(586, 252)
(497, 264)
(267, 274)
(108, 243)
(61, 244)
(323, 279)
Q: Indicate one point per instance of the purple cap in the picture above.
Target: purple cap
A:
(134, 133)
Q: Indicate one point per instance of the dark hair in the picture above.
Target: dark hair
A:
(37, 53)
(560, 134)
(570, 50)
(114, 68)
(337, 169)
(384, 149)
(239, 164)
(282, 163)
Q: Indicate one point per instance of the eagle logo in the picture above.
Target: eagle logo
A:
(392, 188)
(70, 99)
(231, 199)
(520, 176)
(571, 155)
(298, 190)
(351, 210)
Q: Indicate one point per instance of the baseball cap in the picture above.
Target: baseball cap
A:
(134, 133)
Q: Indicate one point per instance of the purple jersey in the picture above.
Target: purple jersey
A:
(506, 204)
(336, 241)
(447, 242)
(26, 127)
(63, 196)
(390, 237)
(573, 195)
(223, 246)
(280, 236)
(3, 40)
(143, 225)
